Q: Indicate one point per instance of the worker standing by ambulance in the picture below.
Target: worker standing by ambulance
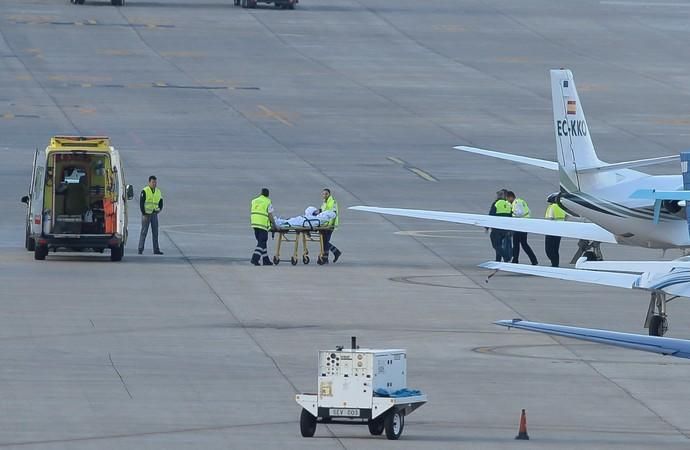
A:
(261, 219)
(150, 204)
(329, 204)
(552, 244)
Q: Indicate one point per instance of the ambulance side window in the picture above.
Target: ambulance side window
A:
(38, 182)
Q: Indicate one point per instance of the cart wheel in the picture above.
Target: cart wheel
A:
(394, 424)
(293, 261)
(319, 261)
(276, 260)
(305, 259)
(307, 423)
(376, 426)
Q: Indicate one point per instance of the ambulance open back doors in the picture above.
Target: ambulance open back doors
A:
(78, 198)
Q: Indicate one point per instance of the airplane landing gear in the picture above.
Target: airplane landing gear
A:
(657, 321)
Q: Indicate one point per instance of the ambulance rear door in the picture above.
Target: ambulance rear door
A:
(36, 194)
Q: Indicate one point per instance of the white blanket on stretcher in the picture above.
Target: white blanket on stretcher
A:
(309, 220)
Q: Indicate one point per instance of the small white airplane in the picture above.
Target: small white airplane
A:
(666, 280)
(679, 348)
(623, 205)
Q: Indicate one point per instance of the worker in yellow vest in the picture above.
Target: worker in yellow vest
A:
(501, 240)
(329, 204)
(150, 204)
(552, 243)
(261, 219)
(520, 210)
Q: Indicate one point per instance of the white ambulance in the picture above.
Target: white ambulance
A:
(78, 198)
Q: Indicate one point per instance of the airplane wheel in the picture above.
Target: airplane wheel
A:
(658, 326)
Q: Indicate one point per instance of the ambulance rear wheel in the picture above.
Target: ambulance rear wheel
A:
(394, 422)
(305, 259)
(40, 252)
(307, 424)
(116, 253)
(29, 242)
(376, 426)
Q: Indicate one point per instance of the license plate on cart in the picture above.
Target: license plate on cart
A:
(343, 412)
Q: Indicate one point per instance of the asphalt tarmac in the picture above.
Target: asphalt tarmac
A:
(197, 349)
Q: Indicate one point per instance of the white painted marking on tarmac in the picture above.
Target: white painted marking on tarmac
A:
(633, 3)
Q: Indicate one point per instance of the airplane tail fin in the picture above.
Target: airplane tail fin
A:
(573, 144)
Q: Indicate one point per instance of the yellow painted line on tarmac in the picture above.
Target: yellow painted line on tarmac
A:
(86, 85)
(275, 115)
(422, 174)
(415, 170)
(7, 116)
(23, 77)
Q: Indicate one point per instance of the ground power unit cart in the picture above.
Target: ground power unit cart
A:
(361, 387)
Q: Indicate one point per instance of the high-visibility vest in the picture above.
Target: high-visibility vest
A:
(331, 205)
(153, 198)
(520, 208)
(503, 208)
(555, 212)
(259, 215)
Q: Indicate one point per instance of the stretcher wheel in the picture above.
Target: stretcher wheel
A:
(305, 259)
(320, 261)
(276, 260)
(293, 261)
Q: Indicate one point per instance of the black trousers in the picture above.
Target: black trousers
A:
(261, 241)
(520, 239)
(327, 246)
(551, 245)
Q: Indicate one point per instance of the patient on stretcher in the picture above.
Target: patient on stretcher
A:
(311, 219)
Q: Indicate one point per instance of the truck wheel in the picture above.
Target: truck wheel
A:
(394, 424)
(79, 2)
(116, 253)
(117, 2)
(376, 426)
(307, 423)
(40, 252)
(243, 3)
(290, 6)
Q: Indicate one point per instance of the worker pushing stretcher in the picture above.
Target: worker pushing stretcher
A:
(316, 225)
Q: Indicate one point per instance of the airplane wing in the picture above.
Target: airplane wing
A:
(656, 344)
(576, 230)
(544, 164)
(622, 280)
(632, 266)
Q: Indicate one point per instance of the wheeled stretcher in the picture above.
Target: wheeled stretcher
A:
(297, 236)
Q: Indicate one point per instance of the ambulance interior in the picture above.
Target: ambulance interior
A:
(80, 195)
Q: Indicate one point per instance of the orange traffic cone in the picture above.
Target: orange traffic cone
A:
(522, 431)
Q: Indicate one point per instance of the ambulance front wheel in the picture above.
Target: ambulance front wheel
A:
(307, 424)
(394, 423)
